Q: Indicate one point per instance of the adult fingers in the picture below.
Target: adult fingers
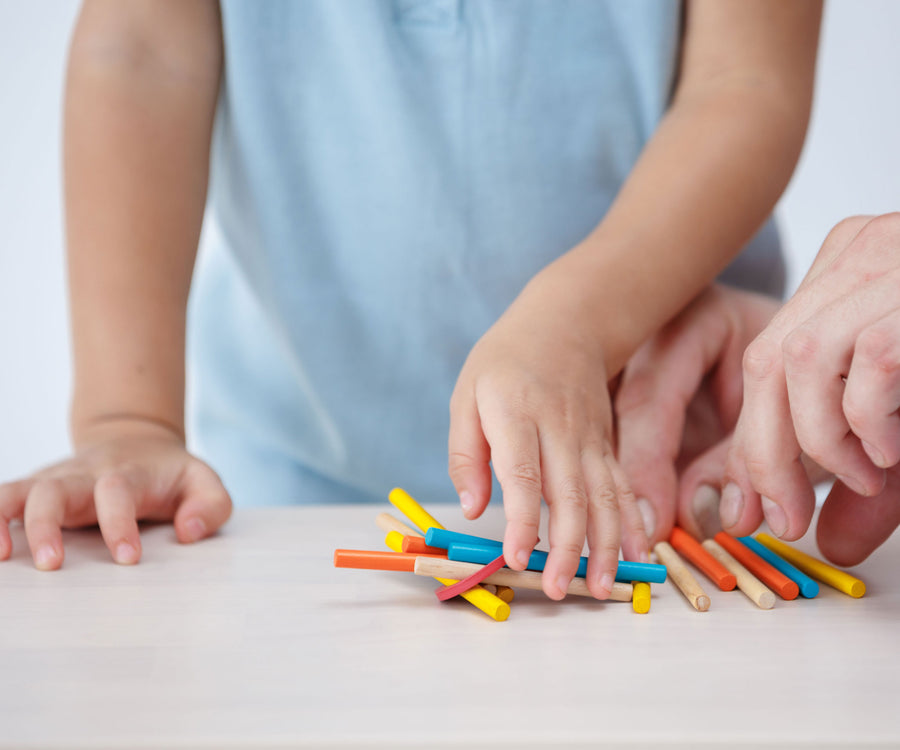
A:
(838, 239)
(469, 455)
(872, 395)
(117, 497)
(817, 355)
(12, 505)
(205, 505)
(764, 466)
(567, 498)
(699, 492)
(652, 401)
(851, 526)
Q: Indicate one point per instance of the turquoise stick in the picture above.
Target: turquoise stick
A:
(443, 538)
(808, 587)
(625, 573)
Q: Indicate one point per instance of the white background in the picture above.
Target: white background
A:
(851, 164)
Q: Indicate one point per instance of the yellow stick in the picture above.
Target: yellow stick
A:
(824, 572)
(640, 601)
(681, 576)
(405, 503)
(493, 606)
(756, 590)
(526, 579)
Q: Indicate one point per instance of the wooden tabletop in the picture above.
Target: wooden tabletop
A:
(253, 640)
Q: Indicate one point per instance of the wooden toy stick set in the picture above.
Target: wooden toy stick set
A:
(473, 567)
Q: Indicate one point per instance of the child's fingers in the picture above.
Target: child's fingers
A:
(117, 496)
(603, 521)
(567, 498)
(12, 506)
(699, 492)
(469, 455)
(45, 510)
(851, 527)
(206, 504)
(765, 438)
(872, 396)
(635, 541)
(516, 458)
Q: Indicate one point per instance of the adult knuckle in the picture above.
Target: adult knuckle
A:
(801, 347)
(762, 359)
(879, 345)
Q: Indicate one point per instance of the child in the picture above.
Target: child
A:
(395, 184)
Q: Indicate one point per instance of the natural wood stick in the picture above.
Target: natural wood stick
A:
(755, 590)
(682, 577)
(386, 522)
(526, 579)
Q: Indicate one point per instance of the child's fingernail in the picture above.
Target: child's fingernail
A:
(126, 554)
(775, 516)
(705, 506)
(876, 455)
(45, 557)
(732, 505)
(606, 582)
(648, 515)
(522, 557)
(644, 556)
(195, 529)
(562, 583)
(466, 501)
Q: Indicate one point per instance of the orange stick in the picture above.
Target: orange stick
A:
(376, 560)
(416, 544)
(712, 568)
(773, 578)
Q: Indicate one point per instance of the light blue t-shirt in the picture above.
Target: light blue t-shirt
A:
(386, 177)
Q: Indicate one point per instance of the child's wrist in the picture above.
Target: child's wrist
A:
(98, 428)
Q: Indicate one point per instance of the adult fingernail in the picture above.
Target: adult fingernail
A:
(45, 557)
(876, 455)
(466, 501)
(853, 484)
(126, 554)
(195, 529)
(705, 507)
(775, 516)
(648, 515)
(732, 505)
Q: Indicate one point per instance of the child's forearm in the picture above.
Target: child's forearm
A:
(140, 100)
(710, 175)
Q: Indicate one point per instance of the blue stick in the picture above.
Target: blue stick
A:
(626, 572)
(808, 587)
(443, 538)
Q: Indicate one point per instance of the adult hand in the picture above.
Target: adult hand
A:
(121, 472)
(679, 396)
(823, 379)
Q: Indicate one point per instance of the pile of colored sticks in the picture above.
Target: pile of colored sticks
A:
(759, 567)
(473, 567)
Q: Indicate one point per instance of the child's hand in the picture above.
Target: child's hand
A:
(122, 472)
(679, 395)
(533, 400)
